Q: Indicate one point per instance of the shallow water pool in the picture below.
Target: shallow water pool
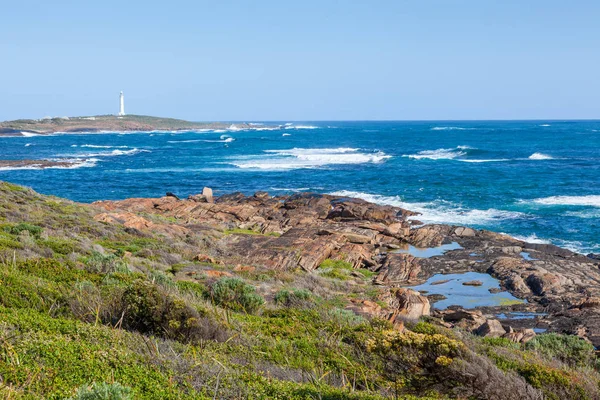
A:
(430, 251)
(464, 295)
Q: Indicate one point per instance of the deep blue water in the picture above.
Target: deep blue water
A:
(536, 179)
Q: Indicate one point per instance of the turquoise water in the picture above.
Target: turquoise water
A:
(536, 180)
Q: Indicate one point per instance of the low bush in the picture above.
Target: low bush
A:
(236, 295)
(147, 309)
(103, 391)
(569, 349)
(33, 230)
(105, 263)
(294, 298)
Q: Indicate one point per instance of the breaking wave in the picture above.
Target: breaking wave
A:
(591, 201)
(309, 158)
(110, 153)
(540, 156)
(451, 128)
(97, 146)
(440, 154)
(439, 211)
(227, 140)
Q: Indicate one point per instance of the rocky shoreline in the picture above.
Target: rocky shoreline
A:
(559, 289)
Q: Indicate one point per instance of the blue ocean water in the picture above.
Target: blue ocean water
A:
(536, 180)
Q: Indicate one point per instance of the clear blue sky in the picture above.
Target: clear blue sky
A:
(302, 60)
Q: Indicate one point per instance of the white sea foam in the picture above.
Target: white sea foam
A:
(287, 134)
(29, 144)
(292, 126)
(438, 212)
(451, 128)
(545, 125)
(591, 200)
(109, 153)
(308, 158)
(440, 154)
(540, 156)
(226, 140)
(585, 214)
(96, 146)
(533, 238)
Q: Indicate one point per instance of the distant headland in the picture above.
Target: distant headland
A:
(105, 123)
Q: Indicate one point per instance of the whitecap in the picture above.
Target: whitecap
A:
(439, 211)
(227, 140)
(29, 144)
(540, 156)
(545, 125)
(287, 134)
(97, 146)
(533, 238)
(301, 127)
(109, 153)
(451, 128)
(439, 154)
(590, 200)
(308, 158)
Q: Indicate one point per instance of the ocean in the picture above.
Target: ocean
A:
(535, 180)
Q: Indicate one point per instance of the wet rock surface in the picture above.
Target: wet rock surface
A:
(303, 230)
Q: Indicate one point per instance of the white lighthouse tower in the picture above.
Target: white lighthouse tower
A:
(122, 103)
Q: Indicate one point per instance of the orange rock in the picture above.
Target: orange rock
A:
(244, 268)
(211, 273)
(205, 259)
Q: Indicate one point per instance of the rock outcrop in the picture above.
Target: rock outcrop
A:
(299, 232)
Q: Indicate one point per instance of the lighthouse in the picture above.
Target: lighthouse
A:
(122, 105)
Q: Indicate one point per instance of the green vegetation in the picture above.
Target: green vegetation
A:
(238, 231)
(236, 295)
(94, 311)
(103, 391)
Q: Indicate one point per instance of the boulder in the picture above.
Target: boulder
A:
(473, 283)
(408, 304)
(519, 335)
(466, 319)
(208, 193)
(491, 328)
(540, 283)
(398, 268)
(464, 232)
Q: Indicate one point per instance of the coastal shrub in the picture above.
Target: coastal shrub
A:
(162, 279)
(147, 309)
(569, 349)
(103, 391)
(33, 230)
(105, 263)
(236, 295)
(411, 355)
(294, 298)
(193, 288)
(58, 246)
(344, 318)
